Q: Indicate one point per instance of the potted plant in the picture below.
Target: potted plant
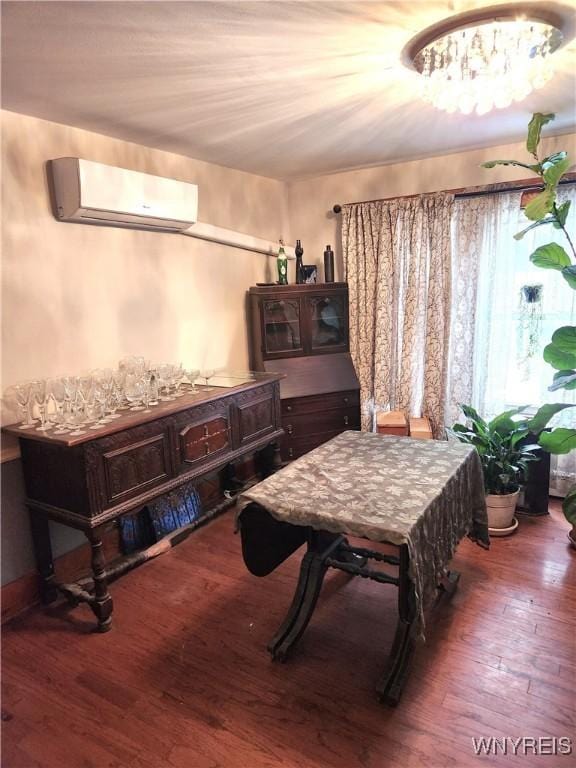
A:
(545, 210)
(504, 455)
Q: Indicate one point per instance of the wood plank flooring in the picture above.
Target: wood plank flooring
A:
(184, 679)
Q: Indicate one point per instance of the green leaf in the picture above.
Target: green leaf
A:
(554, 172)
(563, 380)
(493, 163)
(517, 436)
(503, 423)
(558, 358)
(541, 205)
(551, 160)
(562, 212)
(520, 235)
(569, 505)
(544, 414)
(559, 441)
(569, 274)
(474, 417)
(550, 256)
(535, 126)
(565, 339)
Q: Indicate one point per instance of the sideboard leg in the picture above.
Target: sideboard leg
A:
(102, 604)
(43, 554)
(276, 456)
(269, 460)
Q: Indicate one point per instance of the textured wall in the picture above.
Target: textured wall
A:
(77, 297)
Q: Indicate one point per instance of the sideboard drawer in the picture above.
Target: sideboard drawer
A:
(293, 447)
(299, 405)
(207, 446)
(199, 441)
(322, 421)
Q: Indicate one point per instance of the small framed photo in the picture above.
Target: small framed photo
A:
(310, 273)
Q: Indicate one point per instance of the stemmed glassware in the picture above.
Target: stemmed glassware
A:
(177, 377)
(206, 374)
(135, 390)
(41, 397)
(165, 372)
(57, 390)
(192, 375)
(24, 394)
(67, 404)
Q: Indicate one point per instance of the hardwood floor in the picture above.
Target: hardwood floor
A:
(184, 679)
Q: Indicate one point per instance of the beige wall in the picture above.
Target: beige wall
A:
(76, 297)
(310, 201)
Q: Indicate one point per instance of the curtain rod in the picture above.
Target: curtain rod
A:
(461, 192)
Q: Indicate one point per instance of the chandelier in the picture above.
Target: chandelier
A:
(481, 60)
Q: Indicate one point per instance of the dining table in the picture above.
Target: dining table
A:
(421, 496)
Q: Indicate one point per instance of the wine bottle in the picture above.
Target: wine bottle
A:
(282, 262)
(328, 265)
(299, 264)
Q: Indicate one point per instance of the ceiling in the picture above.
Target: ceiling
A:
(282, 89)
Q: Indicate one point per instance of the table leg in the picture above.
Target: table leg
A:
(312, 571)
(102, 604)
(43, 555)
(390, 686)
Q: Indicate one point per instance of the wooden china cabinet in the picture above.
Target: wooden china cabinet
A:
(302, 332)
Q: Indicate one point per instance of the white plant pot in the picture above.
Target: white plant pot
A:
(501, 509)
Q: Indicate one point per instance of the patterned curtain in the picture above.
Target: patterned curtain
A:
(397, 259)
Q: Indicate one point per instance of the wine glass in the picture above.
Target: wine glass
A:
(113, 401)
(192, 375)
(153, 387)
(97, 402)
(78, 412)
(206, 374)
(57, 390)
(41, 397)
(177, 376)
(24, 395)
(134, 390)
(164, 379)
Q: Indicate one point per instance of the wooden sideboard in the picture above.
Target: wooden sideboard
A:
(301, 331)
(88, 480)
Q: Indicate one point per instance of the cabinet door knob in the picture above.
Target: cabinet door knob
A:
(206, 449)
(289, 428)
(205, 430)
(290, 452)
(346, 420)
(288, 407)
(346, 400)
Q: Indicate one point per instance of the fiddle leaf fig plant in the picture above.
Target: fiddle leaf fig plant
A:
(543, 210)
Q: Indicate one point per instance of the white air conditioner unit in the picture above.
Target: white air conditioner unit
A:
(94, 193)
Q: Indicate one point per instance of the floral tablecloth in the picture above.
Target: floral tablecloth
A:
(427, 494)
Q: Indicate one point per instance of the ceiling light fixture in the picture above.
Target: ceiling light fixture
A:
(488, 58)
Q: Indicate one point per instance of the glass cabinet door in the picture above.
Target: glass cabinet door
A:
(282, 326)
(328, 322)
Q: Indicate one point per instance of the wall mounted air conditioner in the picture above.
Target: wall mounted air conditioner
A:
(93, 193)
